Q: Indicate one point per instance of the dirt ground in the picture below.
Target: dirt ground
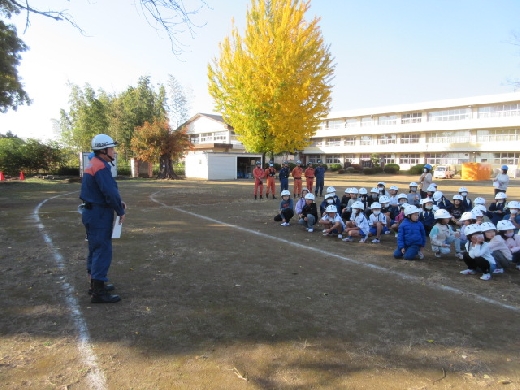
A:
(216, 295)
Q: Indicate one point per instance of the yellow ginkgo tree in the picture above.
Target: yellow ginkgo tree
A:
(273, 84)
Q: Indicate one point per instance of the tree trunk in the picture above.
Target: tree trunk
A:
(166, 171)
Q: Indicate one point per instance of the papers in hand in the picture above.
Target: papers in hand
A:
(116, 231)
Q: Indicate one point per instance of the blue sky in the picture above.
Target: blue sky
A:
(386, 52)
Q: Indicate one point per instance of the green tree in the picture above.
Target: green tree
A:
(11, 156)
(157, 142)
(273, 84)
(12, 93)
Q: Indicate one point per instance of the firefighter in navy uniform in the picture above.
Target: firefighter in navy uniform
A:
(284, 176)
(101, 199)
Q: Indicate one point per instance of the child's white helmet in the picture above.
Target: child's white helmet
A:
(479, 200)
(412, 184)
(362, 191)
(467, 216)
(310, 196)
(431, 188)
(505, 225)
(437, 196)
(402, 196)
(285, 192)
(331, 209)
(458, 197)
(513, 205)
(463, 189)
(395, 188)
(500, 195)
(441, 213)
(330, 189)
(375, 205)
(358, 205)
(374, 190)
(485, 226)
(384, 199)
(472, 229)
(411, 209)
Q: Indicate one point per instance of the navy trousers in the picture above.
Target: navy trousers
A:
(98, 221)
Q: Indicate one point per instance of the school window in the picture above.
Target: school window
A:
(206, 137)
(352, 122)
(220, 136)
(386, 120)
(313, 158)
(409, 138)
(448, 137)
(365, 140)
(317, 143)
(498, 135)
(412, 117)
(334, 142)
(456, 114)
(411, 159)
(333, 159)
(336, 124)
(499, 110)
(350, 141)
(387, 139)
(367, 121)
(389, 159)
(507, 158)
(351, 158)
(194, 139)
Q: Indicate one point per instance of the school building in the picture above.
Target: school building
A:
(481, 129)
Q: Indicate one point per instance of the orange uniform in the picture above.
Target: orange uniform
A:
(270, 174)
(259, 174)
(297, 174)
(309, 176)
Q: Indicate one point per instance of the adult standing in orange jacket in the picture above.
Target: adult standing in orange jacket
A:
(297, 174)
(270, 174)
(259, 174)
(309, 176)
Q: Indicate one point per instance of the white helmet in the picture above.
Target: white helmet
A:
(411, 209)
(329, 196)
(395, 188)
(381, 183)
(467, 216)
(330, 189)
(374, 190)
(513, 205)
(477, 212)
(472, 229)
(331, 209)
(310, 196)
(362, 191)
(485, 226)
(458, 197)
(431, 188)
(501, 195)
(375, 205)
(412, 184)
(384, 199)
(480, 208)
(435, 208)
(285, 192)
(358, 205)
(479, 200)
(463, 189)
(426, 200)
(505, 225)
(402, 196)
(348, 190)
(437, 196)
(441, 213)
(298, 162)
(102, 141)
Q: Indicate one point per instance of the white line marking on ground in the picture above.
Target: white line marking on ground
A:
(95, 377)
(347, 259)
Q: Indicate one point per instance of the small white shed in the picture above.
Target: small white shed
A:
(220, 166)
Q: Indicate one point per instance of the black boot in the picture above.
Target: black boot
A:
(261, 197)
(108, 287)
(274, 197)
(101, 295)
(255, 197)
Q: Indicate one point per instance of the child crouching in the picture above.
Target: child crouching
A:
(309, 213)
(442, 235)
(411, 238)
(332, 222)
(477, 254)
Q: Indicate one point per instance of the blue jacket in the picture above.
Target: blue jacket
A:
(319, 172)
(99, 187)
(284, 173)
(427, 220)
(410, 233)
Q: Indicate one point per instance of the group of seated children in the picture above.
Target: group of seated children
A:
(485, 239)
